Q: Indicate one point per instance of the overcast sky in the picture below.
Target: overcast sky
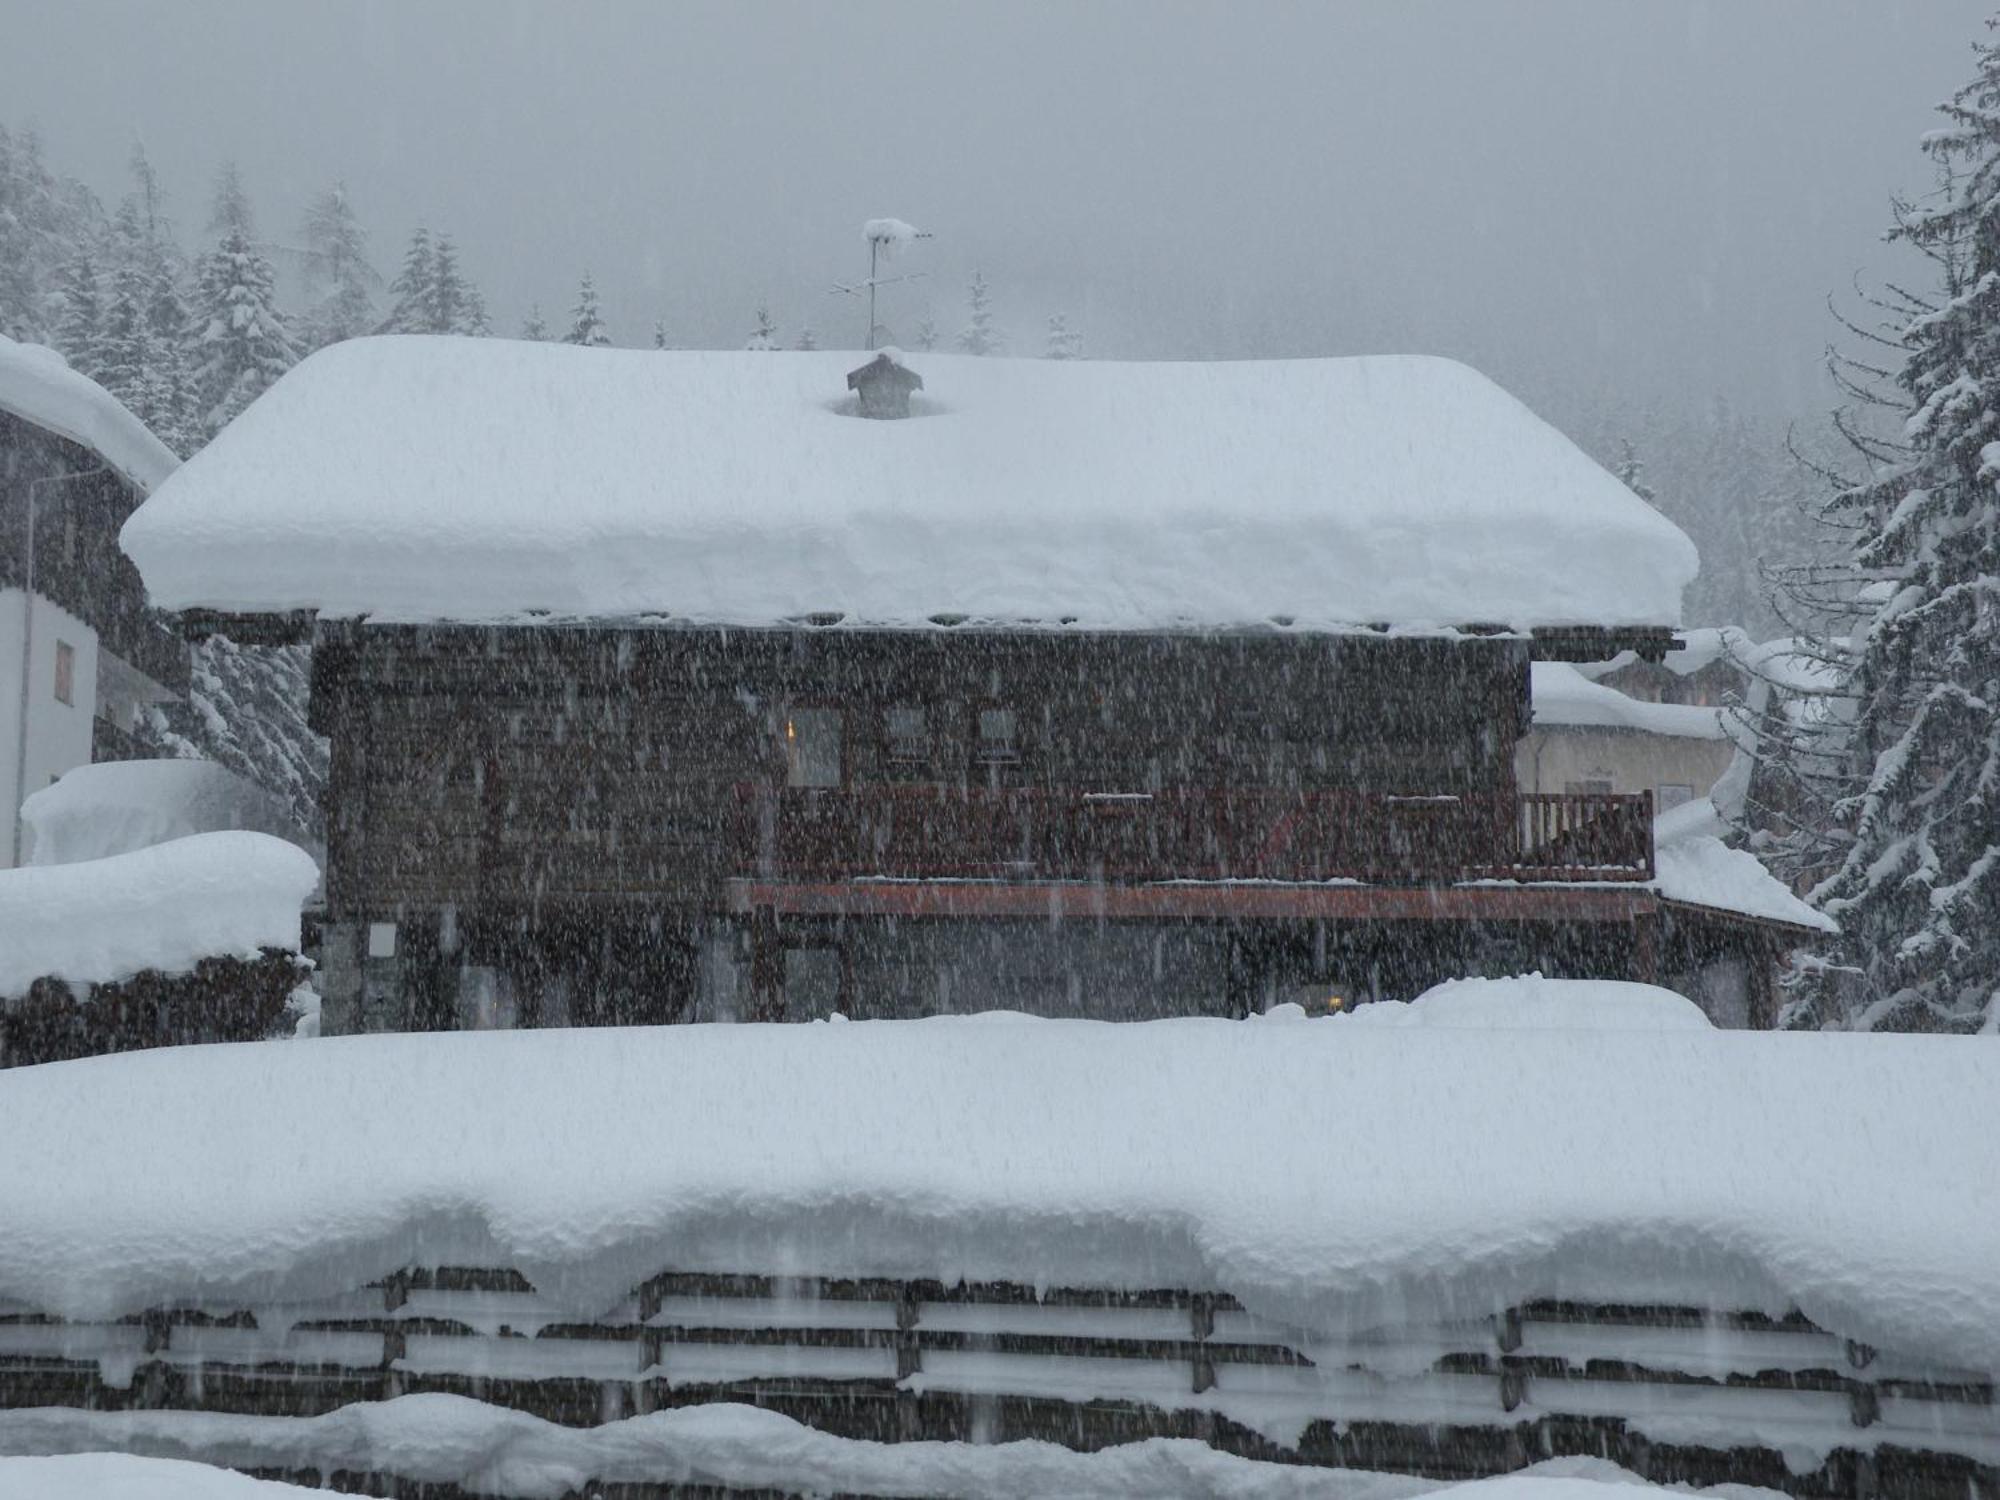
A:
(1650, 198)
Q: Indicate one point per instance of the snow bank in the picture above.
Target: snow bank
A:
(481, 479)
(1334, 1177)
(449, 1440)
(1530, 1002)
(116, 807)
(165, 908)
(1564, 696)
(38, 386)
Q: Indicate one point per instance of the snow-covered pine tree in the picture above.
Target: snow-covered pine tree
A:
(586, 325)
(243, 344)
(660, 333)
(979, 336)
(927, 334)
(410, 292)
(808, 340)
(229, 210)
(1632, 472)
(1064, 341)
(535, 327)
(344, 307)
(81, 322)
(137, 366)
(1918, 886)
(44, 220)
(765, 339)
(453, 303)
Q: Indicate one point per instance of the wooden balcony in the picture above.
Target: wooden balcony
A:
(952, 833)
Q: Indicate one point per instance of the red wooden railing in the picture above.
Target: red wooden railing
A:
(935, 832)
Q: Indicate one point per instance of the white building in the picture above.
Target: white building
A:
(80, 654)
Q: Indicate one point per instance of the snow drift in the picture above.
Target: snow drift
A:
(1334, 1177)
(480, 479)
(168, 907)
(119, 806)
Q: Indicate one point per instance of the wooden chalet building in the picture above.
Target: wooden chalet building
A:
(676, 686)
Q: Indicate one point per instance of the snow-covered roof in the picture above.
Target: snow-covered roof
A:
(119, 806)
(38, 386)
(1491, 1167)
(1532, 1002)
(1693, 866)
(1700, 647)
(1564, 697)
(168, 907)
(481, 479)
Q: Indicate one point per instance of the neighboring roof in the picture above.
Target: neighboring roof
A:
(121, 806)
(1703, 647)
(481, 479)
(38, 386)
(1490, 1168)
(1565, 698)
(1694, 867)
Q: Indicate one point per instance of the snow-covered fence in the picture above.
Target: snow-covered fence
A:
(1678, 1394)
(228, 999)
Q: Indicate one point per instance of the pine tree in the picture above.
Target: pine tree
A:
(979, 336)
(765, 339)
(1631, 472)
(410, 311)
(534, 327)
(586, 326)
(243, 345)
(452, 303)
(1916, 747)
(345, 306)
(229, 213)
(1064, 341)
(808, 340)
(927, 334)
(82, 321)
(660, 334)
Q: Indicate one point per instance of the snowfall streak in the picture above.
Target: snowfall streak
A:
(1676, 1394)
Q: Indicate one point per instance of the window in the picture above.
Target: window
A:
(812, 747)
(996, 735)
(65, 672)
(908, 736)
(1671, 795)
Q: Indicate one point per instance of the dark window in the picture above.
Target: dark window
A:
(65, 672)
(812, 747)
(996, 735)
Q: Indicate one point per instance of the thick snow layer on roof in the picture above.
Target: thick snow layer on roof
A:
(1530, 1002)
(479, 479)
(1692, 863)
(118, 806)
(167, 908)
(451, 1440)
(38, 386)
(1566, 698)
(1192, 1153)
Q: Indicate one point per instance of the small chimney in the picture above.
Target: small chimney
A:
(884, 385)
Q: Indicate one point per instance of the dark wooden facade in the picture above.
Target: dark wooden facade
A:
(649, 823)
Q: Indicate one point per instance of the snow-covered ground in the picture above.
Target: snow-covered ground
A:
(1332, 1176)
(449, 1440)
(481, 479)
(166, 907)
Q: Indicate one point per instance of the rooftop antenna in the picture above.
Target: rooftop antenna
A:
(886, 237)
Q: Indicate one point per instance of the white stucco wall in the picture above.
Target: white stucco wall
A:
(58, 734)
(1548, 759)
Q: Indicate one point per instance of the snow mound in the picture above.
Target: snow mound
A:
(450, 1440)
(1493, 1167)
(431, 478)
(116, 807)
(1530, 1002)
(168, 907)
(38, 386)
(1692, 864)
(1564, 696)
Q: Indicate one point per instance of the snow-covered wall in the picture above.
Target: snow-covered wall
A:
(481, 479)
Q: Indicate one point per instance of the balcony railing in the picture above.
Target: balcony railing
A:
(931, 832)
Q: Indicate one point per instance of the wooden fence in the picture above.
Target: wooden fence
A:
(219, 1000)
(1672, 1393)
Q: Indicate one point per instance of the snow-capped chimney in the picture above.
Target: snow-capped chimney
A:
(884, 385)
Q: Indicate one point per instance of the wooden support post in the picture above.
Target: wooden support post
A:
(1201, 1319)
(1646, 949)
(767, 967)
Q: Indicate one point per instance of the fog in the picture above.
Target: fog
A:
(1649, 199)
